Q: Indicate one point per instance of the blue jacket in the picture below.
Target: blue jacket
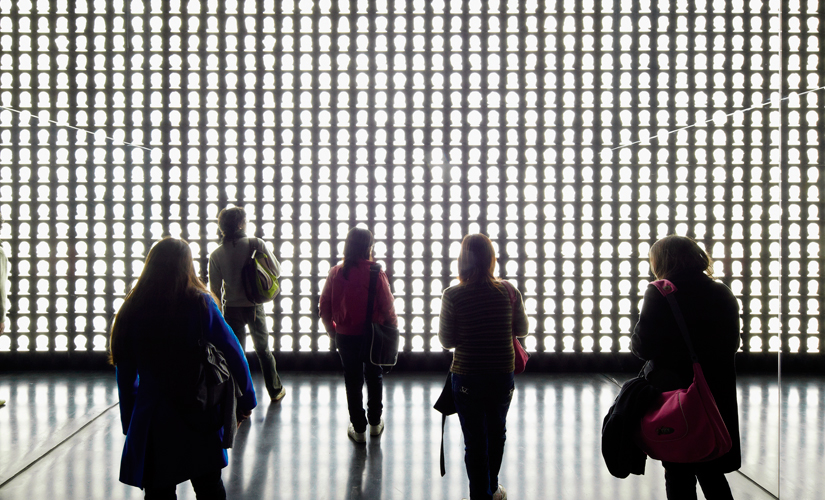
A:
(164, 440)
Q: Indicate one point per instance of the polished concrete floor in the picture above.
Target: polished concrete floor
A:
(60, 438)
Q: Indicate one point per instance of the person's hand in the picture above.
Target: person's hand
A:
(242, 416)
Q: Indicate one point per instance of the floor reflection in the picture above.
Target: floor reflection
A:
(803, 437)
(299, 448)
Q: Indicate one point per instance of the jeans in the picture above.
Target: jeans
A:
(482, 402)
(207, 487)
(682, 485)
(356, 370)
(255, 317)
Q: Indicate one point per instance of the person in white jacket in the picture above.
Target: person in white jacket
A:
(4, 290)
(225, 266)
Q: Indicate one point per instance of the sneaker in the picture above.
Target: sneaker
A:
(358, 437)
(2, 402)
(280, 395)
(500, 494)
(376, 430)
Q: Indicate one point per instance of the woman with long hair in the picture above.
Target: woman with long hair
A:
(479, 318)
(711, 313)
(343, 311)
(155, 348)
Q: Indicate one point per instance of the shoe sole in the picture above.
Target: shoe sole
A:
(355, 440)
(280, 396)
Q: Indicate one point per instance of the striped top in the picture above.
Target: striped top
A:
(479, 322)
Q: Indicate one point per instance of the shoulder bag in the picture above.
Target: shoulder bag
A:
(382, 340)
(684, 426)
(216, 386)
(446, 406)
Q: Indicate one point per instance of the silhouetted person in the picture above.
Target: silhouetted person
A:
(479, 319)
(4, 290)
(155, 347)
(343, 310)
(711, 313)
(4, 284)
(225, 266)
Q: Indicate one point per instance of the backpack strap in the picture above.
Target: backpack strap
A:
(374, 270)
(255, 246)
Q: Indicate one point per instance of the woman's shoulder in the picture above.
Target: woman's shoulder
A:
(465, 289)
(707, 290)
(205, 302)
(722, 292)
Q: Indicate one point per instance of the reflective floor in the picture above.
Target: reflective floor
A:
(60, 438)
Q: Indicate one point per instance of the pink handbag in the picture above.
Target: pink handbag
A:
(521, 354)
(684, 426)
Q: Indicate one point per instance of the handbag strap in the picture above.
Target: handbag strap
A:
(441, 458)
(511, 292)
(374, 269)
(680, 320)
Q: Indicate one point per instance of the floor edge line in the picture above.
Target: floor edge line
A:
(58, 444)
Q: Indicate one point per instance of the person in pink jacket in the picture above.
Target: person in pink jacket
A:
(343, 310)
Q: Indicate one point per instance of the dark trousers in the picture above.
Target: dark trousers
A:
(207, 487)
(681, 485)
(482, 402)
(254, 317)
(356, 370)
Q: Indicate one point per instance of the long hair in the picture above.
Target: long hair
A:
(357, 247)
(161, 297)
(231, 225)
(674, 255)
(477, 260)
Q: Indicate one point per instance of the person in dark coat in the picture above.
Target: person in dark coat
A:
(154, 346)
(711, 313)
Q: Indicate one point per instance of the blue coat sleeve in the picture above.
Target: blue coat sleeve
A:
(127, 387)
(219, 333)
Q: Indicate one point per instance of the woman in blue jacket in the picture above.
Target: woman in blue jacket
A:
(154, 345)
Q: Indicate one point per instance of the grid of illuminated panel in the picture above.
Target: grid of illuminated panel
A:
(560, 129)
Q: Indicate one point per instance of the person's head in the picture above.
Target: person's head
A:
(357, 247)
(476, 260)
(169, 268)
(677, 255)
(168, 282)
(231, 224)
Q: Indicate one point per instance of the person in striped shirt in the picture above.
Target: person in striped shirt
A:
(478, 319)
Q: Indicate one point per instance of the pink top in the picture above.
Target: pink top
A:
(344, 300)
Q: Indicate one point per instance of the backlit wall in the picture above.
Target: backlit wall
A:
(573, 133)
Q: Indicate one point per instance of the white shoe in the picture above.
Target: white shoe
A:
(358, 437)
(376, 430)
(500, 494)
